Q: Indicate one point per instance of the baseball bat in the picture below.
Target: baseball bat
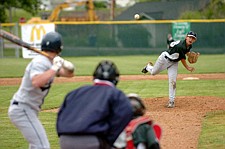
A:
(16, 40)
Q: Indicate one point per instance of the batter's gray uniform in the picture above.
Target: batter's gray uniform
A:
(26, 104)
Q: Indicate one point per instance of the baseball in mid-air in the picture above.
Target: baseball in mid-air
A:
(136, 16)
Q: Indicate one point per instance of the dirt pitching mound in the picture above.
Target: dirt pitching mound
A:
(182, 124)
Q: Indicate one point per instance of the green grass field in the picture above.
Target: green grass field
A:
(212, 134)
(131, 65)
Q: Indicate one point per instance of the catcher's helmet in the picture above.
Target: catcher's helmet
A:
(192, 34)
(52, 41)
(107, 70)
(137, 105)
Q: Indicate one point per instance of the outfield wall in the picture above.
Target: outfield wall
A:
(138, 37)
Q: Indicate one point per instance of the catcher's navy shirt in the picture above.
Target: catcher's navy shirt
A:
(100, 109)
(177, 50)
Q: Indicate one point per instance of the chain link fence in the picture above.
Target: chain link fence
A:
(8, 49)
(139, 37)
(127, 37)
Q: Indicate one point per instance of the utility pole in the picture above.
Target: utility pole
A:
(10, 14)
(112, 12)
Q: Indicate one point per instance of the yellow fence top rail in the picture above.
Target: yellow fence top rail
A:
(143, 21)
(7, 24)
(125, 22)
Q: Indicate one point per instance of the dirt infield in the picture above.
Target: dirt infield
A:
(182, 124)
(16, 81)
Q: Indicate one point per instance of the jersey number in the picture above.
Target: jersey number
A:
(174, 43)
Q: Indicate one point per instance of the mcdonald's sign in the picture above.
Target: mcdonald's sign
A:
(32, 34)
(37, 32)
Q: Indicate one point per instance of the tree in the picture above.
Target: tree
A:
(209, 12)
(30, 6)
(215, 10)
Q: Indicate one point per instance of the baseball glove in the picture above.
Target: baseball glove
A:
(193, 57)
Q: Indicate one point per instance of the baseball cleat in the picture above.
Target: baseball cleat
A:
(171, 104)
(144, 70)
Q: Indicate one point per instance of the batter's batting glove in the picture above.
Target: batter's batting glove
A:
(57, 63)
(68, 66)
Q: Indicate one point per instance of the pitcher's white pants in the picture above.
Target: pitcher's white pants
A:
(161, 64)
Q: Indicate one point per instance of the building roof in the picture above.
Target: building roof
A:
(164, 10)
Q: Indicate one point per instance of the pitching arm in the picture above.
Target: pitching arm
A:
(191, 69)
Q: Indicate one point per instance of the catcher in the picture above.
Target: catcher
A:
(169, 60)
(141, 132)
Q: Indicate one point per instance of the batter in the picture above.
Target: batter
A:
(169, 60)
(36, 82)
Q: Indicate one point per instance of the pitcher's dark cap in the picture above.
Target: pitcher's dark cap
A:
(192, 34)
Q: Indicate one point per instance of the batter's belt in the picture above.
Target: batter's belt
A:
(15, 102)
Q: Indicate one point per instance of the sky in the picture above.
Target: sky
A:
(124, 3)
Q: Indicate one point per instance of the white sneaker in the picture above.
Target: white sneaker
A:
(171, 104)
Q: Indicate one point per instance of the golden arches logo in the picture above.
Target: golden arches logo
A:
(38, 32)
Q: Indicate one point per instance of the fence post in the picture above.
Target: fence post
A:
(1, 45)
(17, 51)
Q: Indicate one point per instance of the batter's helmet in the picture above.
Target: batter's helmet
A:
(52, 41)
(137, 105)
(107, 70)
